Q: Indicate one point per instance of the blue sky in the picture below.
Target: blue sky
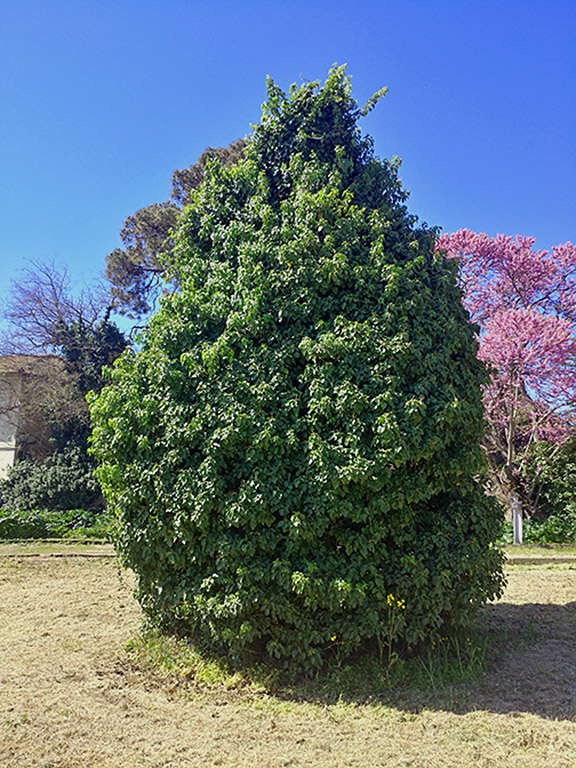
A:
(100, 100)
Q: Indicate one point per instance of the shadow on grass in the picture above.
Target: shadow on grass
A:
(532, 662)
(519, 658)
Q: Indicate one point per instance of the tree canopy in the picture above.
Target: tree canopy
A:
(41, 302)
(136, 269)
(293, 454)
(524, 301)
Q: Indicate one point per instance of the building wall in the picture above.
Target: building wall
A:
(26, 383)
(10, 393)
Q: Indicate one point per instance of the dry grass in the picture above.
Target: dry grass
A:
(71, 696)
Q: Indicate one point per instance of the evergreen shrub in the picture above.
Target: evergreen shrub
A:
(555, 469)
(554, 529)
(63, 481)
(49, 524)
(292, 456)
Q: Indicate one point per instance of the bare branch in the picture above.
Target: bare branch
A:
(42, 301)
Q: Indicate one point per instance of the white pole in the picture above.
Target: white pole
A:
(516, 506)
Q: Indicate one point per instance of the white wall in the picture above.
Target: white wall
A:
(10, 389)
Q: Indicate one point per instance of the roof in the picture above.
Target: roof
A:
(30, 364)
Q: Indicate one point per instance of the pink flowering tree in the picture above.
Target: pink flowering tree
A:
(524, 302)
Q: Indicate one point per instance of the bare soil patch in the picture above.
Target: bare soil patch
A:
(71, 696)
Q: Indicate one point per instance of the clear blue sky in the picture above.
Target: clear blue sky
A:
(100, 100)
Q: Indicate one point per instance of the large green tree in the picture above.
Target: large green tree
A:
(135, 271)
(293, 454)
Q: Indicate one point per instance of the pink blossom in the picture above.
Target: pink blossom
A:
(524, 302)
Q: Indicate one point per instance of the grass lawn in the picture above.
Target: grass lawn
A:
(540, 549)
(80, 689)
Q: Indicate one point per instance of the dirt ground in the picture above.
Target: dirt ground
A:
(71, 697)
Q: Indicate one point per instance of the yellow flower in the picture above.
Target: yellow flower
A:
(333, 638)
(393, 601)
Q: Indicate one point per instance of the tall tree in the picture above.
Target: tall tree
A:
(524, 301)
(45, 315)
(41, 302)
(136, 269)
(292, 453)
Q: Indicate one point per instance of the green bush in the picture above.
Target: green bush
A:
(293, 454)
(555, 529)
(555, 470)
(47, 524)
(550, 475)
(65, 480)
